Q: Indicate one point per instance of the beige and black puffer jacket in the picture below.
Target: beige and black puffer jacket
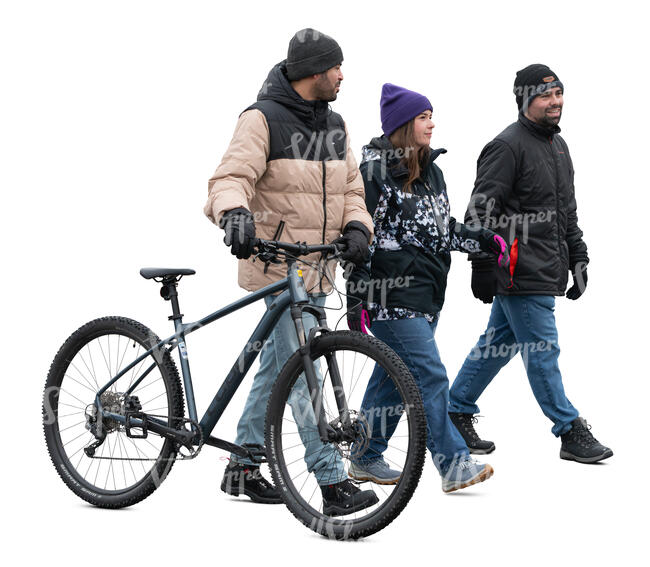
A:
(290, 164)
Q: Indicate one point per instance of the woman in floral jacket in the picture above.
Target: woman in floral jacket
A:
(401, 289)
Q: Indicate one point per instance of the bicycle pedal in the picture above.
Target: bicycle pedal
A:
(256, 452)
(128, 425)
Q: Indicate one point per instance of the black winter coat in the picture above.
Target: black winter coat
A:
(414, 235)
(524, 192)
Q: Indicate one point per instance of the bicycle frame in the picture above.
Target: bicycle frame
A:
(292, 293)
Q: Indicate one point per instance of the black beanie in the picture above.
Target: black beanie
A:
(311, 52)
(533, 81)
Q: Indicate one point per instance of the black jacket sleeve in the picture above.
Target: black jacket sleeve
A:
(496, 172)
(577, 246)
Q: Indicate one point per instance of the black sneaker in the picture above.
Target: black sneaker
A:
(464, 422)
(578, 444)
(345, 498)
(245, 479)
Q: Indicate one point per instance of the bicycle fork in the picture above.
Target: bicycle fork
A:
(326, 432)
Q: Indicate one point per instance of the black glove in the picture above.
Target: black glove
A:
(484, 282)
(579, 281)
(240, 232)
(492, 243)
(358, 318)
(355, 238)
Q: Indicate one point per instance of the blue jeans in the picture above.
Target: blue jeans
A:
(413, 341)
(323, 460)
(525, 324)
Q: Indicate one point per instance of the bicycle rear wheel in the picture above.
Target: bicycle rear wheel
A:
(395, 431)
(123, 469)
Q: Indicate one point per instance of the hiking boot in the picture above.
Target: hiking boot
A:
(376, 470)
(345, 498)
(464, 422)
(464, 473)
(239, 478)
(578, 444)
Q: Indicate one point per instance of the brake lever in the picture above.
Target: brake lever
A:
(267, 254)
(269, 257)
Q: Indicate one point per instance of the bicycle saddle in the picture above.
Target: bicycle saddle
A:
(148, 273)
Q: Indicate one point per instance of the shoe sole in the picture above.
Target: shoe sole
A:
(586, 460)
(481, 451)
(486, 473)
(254, 497)
(374, 479)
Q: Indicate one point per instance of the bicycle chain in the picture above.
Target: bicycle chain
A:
(179, 456)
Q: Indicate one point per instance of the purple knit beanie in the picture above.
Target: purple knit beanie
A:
(399, 105)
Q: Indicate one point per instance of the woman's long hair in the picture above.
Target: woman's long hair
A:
(415, 161)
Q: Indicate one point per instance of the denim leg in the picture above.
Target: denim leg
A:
(323, 460)
(413, 341)
(494, 349)
(380, 397)
(532, 319)
(250, 428)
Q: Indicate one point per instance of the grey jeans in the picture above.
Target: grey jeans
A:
(323, 460)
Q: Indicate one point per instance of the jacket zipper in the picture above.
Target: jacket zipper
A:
(276, 236)
(320, 282)
(557, 201)
(324, 201)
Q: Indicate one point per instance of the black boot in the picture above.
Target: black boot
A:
(578, 444)
(464, 422)
(345, 498)
(245, 479)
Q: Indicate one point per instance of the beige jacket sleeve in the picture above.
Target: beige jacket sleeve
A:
(233, 183)
(355, 195)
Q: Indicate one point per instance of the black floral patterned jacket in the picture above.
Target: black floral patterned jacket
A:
(406, 275)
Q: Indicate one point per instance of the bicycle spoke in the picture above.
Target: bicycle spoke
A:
(123, 445)
(69, 426)
(75, 397)
(82, 385)
(90, 386)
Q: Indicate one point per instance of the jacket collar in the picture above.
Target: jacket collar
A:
(383, 146)
(538, 130)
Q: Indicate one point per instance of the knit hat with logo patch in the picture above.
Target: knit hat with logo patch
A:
(533, 81)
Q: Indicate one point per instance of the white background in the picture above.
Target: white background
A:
(115, 114)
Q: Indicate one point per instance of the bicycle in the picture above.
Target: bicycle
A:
(115, 422)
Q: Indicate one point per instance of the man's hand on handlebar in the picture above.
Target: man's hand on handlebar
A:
(355, 238)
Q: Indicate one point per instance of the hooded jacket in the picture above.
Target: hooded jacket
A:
(524, 192)
(414, 236)
(289, 163)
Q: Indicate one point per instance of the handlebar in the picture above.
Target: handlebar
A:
(272, 247)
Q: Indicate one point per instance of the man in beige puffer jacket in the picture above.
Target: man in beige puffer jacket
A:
(289, 174)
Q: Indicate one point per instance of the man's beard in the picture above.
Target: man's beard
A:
(550, 122)
(324, 91)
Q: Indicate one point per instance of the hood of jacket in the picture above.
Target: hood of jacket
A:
(277, 88)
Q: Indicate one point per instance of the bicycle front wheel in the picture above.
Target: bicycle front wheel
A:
(122, 470)
(383, 418)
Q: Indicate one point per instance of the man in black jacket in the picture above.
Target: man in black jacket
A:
(524, 191)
